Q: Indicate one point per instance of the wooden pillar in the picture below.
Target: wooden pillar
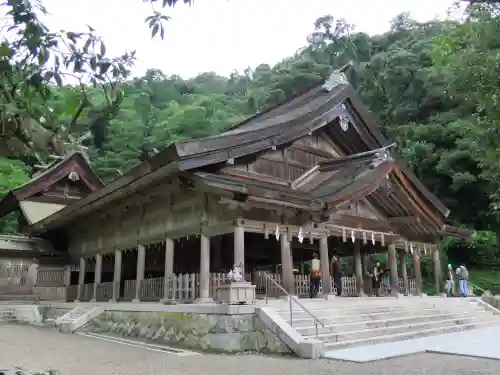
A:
(393, 265)
(417, 270)
(81, 279)
(326, 281)
(358, 269)
(117, 275)
(141, 259)
(436, 258)
(239, 246)
(67, 276)
(204, 270)
(404, 271)
(97, 275)
(32, 274)
(287, 265)
(169, 270)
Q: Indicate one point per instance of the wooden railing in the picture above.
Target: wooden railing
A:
(185, 287)
(50, 276)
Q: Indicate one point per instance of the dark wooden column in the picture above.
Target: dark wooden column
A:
(358, 269)
(393, 264)
(404, 271)
(417, 270)
(325, 266)
(438, 274)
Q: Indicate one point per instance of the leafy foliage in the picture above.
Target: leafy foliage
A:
(431, 86)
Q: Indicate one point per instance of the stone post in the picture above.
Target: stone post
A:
(393, 264)
(404, 271)
(81, 279)
(97, 275)
(239, 246)
(117, 275)
(204, 270)
(436, 259)
(141, 259)
(169, 269)
(417, 270)
(326, 281)
(287, 265)
(358, 267)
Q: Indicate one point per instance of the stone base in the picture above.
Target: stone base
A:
(169, 301)
(399, 295)
(135, 300)
(236, 293)
(204, 300)
(329, 297)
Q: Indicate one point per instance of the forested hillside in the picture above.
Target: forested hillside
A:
(432, 86)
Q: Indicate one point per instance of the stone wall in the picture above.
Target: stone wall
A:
(197, 331)
(493, 301)
(49, 314)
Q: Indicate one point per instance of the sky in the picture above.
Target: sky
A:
(225, 35)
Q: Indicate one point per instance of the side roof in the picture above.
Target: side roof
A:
(310, 111)
(54, 173)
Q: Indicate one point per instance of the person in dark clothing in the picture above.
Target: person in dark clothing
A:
(336, 274)
(314, 277)
(376, 274)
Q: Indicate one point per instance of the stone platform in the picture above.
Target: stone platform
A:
(204, 327)
(481, 343)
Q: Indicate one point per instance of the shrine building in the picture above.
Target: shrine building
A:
(314, 174)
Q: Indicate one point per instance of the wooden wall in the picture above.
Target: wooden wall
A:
(177, 211)
(291, 162)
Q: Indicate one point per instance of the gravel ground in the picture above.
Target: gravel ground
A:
(38, 349)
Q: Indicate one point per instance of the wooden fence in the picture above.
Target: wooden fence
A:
(181, 287)
(186, 287)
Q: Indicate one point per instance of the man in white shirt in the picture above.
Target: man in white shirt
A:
(315, 276)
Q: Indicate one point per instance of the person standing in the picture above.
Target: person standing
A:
(449, 282)
(314, 277)
(386, 278)
(463, 280)
(376, 274)
(337, 273)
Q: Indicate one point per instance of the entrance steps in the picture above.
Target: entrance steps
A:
(351, 322)
(78, 317)
(6, 314)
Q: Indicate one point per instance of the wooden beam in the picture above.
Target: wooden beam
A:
(406, 220)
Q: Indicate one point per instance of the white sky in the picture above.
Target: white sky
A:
(224, 35)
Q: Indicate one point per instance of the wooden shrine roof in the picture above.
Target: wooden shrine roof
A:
(318, 108)
(43, 180)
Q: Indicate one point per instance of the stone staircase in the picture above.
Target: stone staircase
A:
(78, 317)
(354, 322)
(6, 313)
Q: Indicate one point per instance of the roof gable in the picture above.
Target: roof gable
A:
(42, 186)
(323, 108)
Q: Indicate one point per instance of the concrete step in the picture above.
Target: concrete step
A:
(18, 297)
(365, 312)
(409, 335)
(397, 329)
(328, 318)
(339, 327)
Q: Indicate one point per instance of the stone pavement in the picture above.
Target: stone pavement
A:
(36, 349)
(482, 343)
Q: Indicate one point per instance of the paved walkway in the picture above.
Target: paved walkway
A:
(482, 343)
(38, 349)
